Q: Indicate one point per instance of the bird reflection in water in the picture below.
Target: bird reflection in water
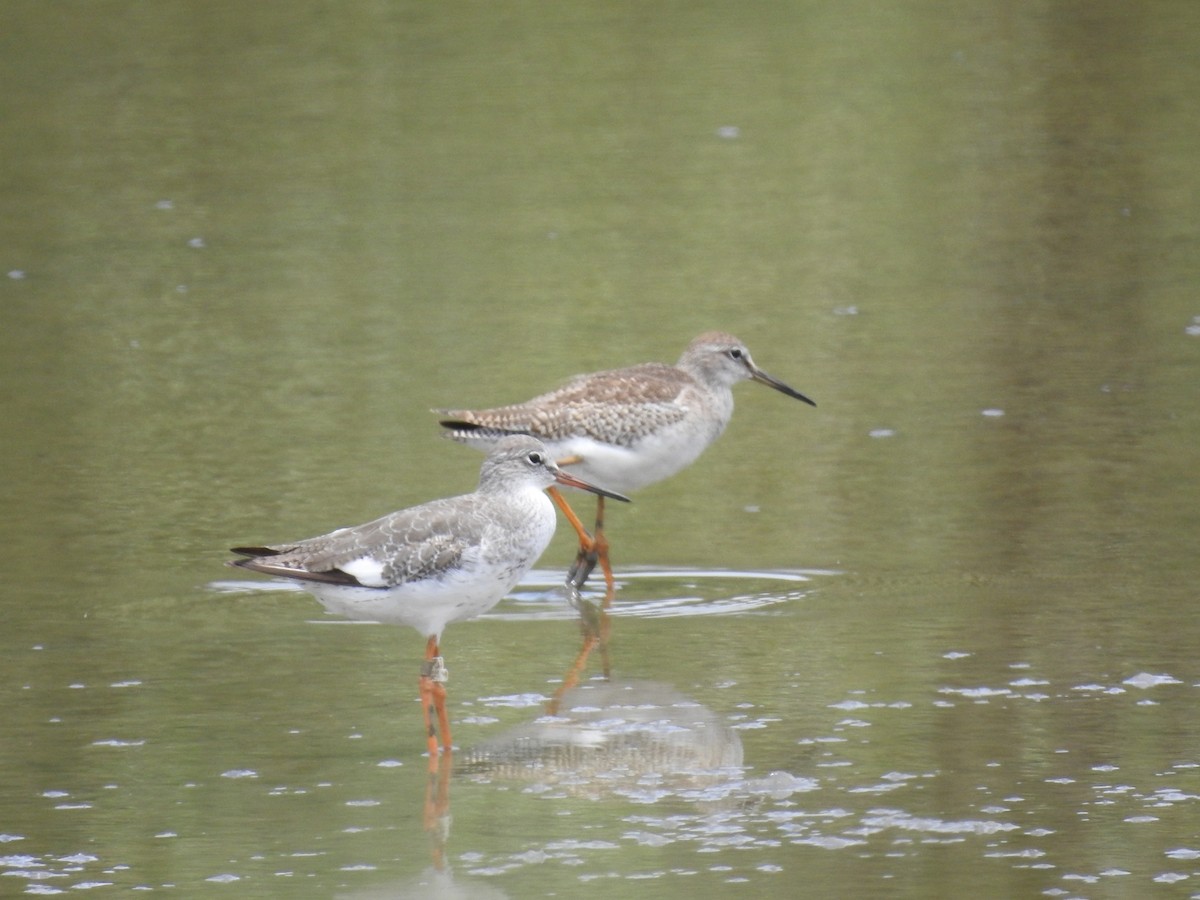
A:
(436, 816)
(606, 736)
(594, 624)
(612, 735)
(634, 738)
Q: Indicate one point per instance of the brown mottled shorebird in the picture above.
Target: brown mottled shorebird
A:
(436, 563)
(626, 428)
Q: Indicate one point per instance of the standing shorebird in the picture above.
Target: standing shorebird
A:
(436, 563)
(625, 428)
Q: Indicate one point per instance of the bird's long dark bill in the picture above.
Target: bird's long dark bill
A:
(572, 481)
(763, 378)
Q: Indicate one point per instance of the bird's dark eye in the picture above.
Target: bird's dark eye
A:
(536, 458)
(735, 352)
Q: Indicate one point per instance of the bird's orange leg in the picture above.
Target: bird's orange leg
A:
(585, 539)
(592, 548)
(588, 556)
(439, 699)
(433, 699)
(610, 584)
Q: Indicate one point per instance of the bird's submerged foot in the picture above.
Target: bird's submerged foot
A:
(593, 548)
(590, 553)
(585, 562)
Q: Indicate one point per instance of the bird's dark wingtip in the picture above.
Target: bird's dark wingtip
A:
(459, 425)
(257, 564)
(250, 551)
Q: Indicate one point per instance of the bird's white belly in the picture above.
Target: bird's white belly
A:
(625, 469)
(428, 605)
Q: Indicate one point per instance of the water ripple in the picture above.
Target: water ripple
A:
(664, 593)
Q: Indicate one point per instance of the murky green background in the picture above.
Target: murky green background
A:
(946, 620)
